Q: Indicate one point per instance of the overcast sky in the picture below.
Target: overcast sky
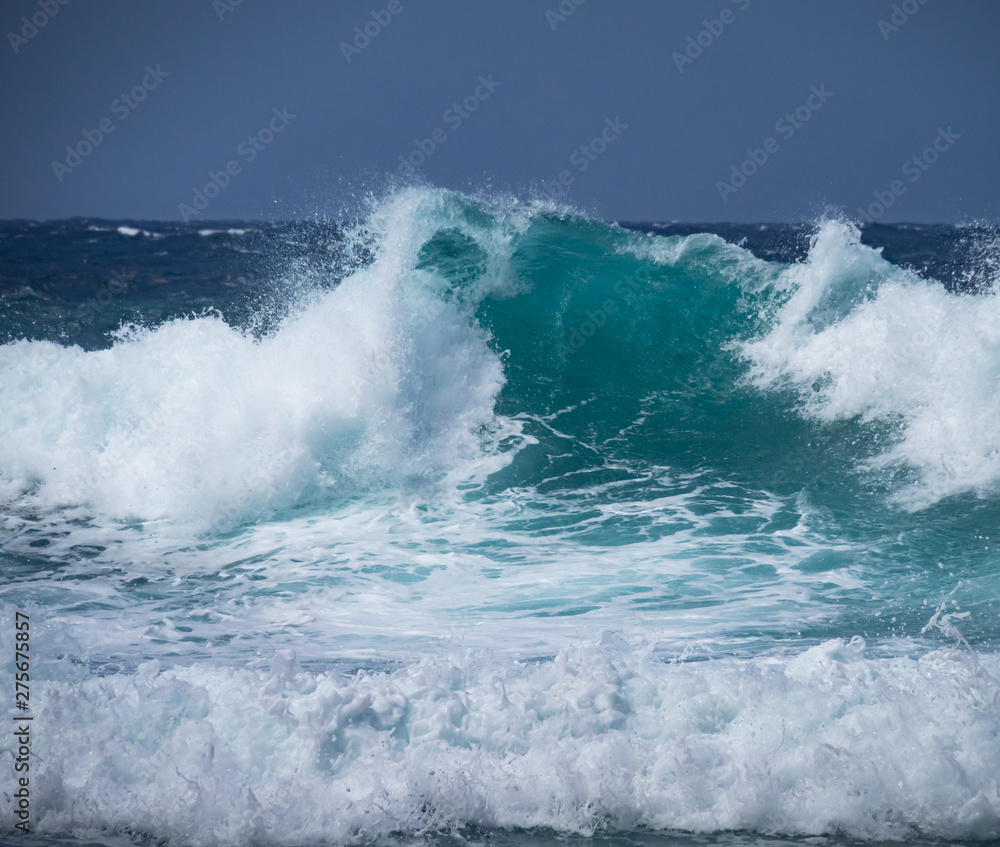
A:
(695, 110)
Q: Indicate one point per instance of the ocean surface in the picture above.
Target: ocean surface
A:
(477, 521)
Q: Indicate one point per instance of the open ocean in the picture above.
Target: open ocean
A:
(477, 521)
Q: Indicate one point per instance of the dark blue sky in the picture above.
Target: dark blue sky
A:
(632, 111)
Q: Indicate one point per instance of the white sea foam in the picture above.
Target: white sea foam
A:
(389, 577)
(132, 232)
(861, 338)
(385, 377)
(600, 737)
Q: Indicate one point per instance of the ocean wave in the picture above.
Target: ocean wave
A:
(860, 338)
(674, 351)
(601, 738)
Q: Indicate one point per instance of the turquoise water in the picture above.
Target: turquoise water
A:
(478, 518)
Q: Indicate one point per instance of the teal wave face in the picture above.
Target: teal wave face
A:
(632, 340)
(635, 342)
